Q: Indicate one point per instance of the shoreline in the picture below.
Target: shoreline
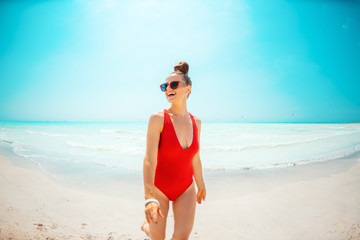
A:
(128, 179)
(305, 202)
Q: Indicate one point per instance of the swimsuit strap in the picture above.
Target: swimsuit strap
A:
(167, 120)
(192, 120)
(166, 117)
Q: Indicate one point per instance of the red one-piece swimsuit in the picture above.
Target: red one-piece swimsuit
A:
(174, 171)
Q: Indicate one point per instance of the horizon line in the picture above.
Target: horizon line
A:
(250, 122)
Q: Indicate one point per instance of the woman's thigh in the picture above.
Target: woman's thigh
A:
(184, 213)
(158, 231)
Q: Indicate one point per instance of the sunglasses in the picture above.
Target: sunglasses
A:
(173, 85)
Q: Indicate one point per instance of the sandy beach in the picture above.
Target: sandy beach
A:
(307, 202)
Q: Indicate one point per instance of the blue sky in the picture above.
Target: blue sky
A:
(250, 60)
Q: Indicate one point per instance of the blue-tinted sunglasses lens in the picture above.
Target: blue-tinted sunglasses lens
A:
(163, 87)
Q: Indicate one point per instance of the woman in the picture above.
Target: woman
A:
(171, 160)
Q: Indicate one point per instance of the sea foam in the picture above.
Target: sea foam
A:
(82, 148)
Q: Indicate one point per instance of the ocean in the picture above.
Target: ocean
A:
(83, 150)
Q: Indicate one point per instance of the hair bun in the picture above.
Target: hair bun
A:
(182, 67)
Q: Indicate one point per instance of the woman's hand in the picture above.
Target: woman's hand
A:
(152, 212)
(201, 195)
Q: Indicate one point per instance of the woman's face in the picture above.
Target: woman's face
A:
(179, 93)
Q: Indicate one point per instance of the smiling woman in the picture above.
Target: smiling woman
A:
(171, 160)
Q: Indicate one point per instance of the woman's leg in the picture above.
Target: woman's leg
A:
(184, 214)
(157, 231)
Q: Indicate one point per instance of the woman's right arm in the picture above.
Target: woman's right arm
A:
(152, 144)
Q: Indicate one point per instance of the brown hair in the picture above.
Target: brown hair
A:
(183, 68)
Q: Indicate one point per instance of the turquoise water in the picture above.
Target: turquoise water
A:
(78, 150)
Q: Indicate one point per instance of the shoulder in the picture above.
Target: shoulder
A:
(197, 121)
(156, 120)
(155, 117)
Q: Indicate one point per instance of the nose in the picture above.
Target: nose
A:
(168, 87)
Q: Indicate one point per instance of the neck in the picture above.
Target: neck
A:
(179, 110)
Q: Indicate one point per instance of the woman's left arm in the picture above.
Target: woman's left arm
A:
(197, 168)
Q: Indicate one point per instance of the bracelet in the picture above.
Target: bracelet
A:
(151, 200)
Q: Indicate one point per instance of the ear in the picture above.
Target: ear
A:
(188, 90)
